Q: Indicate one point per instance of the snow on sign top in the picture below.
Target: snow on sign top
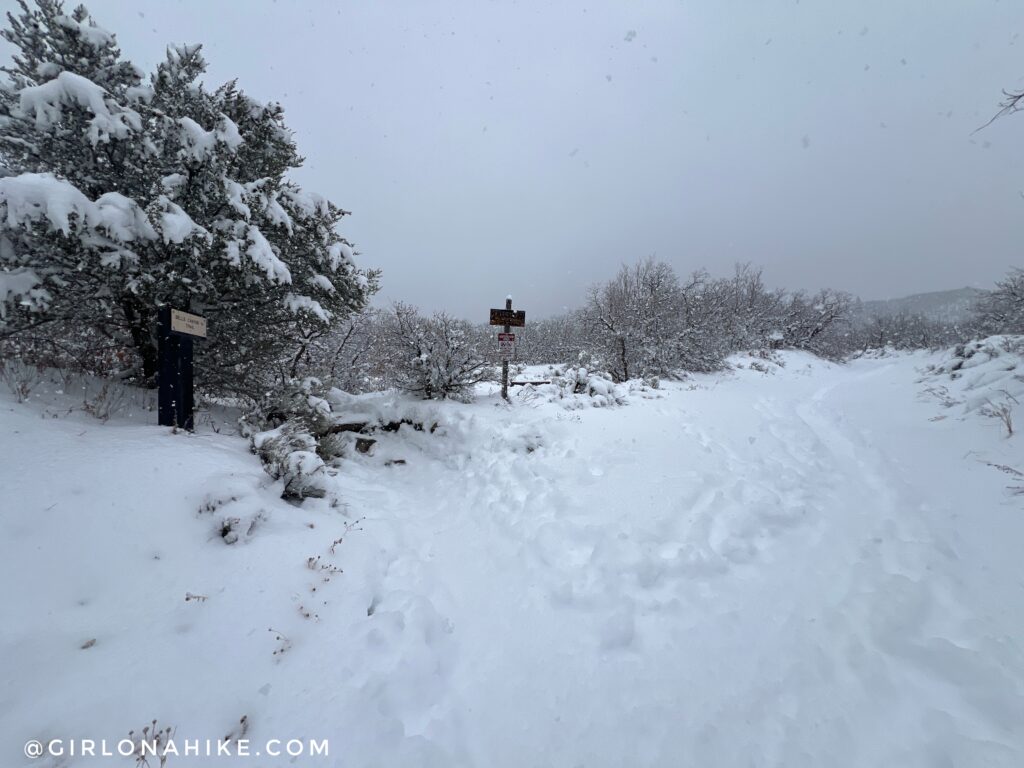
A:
(185, 323)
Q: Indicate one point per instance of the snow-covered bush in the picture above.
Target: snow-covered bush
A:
(289, 450)
(433, 357)
(635, 320)
(297, 400)
(903, 332)
(348, 355)
(560, 339)
(579, 381)
(817, 323)
(1001, 310)
(303, 430)
(646, 322)
(985, 376)
(979, 354)
(575, 387)
(289, 454)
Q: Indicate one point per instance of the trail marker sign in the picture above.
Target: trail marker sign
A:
(175, 332)
(507, 341)
(507, 317)
(188, 324)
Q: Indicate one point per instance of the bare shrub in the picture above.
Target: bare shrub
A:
(151, 743)
(21, 378)
(109, 400)
(1002, 412)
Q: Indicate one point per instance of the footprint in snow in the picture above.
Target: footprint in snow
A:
(619, 629)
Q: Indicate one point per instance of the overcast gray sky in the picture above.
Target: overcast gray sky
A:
(488, 148)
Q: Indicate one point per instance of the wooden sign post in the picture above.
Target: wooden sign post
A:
(506, 341)
(175, 401)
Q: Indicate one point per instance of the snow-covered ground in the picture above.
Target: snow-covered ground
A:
(806, 565)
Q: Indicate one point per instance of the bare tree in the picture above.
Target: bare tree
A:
(434, 357)
(1001, 310)
(635, 317)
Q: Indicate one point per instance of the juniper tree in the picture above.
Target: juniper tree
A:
(126, 196)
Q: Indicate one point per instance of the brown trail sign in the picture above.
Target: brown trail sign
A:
(509, 319)
(515, 319)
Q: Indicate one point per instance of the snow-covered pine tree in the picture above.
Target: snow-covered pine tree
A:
(125, 197)
(280, 272)
(69, 135)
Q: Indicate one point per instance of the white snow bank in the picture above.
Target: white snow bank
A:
(575, 387)
(980, 375)
(162, 577)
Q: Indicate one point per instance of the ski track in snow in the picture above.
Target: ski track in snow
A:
(771, 570)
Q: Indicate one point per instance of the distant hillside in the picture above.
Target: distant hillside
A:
(943, 306)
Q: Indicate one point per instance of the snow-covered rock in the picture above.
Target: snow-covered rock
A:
(979, 375)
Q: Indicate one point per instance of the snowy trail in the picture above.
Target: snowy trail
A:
(757, 586)
(801, 568)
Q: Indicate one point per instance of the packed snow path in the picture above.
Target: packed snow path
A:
(787, 571)
(800, 568)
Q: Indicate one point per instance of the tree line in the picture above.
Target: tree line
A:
(642, 323)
